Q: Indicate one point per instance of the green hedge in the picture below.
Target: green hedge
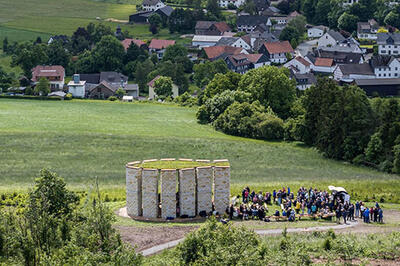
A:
(31, 97)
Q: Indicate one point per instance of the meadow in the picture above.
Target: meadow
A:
(22, 20)
(84, 139)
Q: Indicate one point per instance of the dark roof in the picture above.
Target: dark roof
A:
(150, 2)
(338, 57)
(377, 82)
(336, 35)
(203, 25)
(304, 79)
(109, 77)
(166, 10)
(252, 20)
(227, 41)
(261, 4)
(238, 60)
(91, 78)
(271, 11)
(113, 77)
(380, 61)
(360, 69)
(390, 38)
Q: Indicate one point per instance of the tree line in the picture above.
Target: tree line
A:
(333, 14)
(97, 48)
(340, 121)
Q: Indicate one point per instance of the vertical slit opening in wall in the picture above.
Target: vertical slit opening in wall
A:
(177, 194)
(159, 203)
(140, 195)
(196, 205)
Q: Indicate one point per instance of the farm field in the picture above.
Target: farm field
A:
(83, 139)
(22, 20)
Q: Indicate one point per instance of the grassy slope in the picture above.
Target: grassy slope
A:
(22, 20)
(84, 139)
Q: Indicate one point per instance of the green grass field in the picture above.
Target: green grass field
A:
(82, 139)
(22, 20)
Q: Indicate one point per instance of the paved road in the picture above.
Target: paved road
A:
(306, 47)
(171, 244)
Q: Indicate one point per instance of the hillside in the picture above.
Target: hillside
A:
(83, 139)
(25, 20)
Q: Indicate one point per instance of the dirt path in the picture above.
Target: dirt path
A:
(146, 237)
(152, 239)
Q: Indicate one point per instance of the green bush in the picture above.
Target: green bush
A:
(68, 96)
(112, 98)
(250, 120)
(218, 244)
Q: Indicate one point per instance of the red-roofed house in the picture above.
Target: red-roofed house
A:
(277, 51)
(159, 46)
(127, 42)
(54, 74)
(299, 65)
(323, 65)
(217, 52)
(152, 94)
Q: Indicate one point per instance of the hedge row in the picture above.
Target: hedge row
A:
(31, 97)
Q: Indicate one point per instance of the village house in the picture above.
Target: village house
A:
(316, 31)
(110, 81)
(132, 90)
(102, 91)
(221, 52)
(152, 5)
(159, 46)
(140, 17)
(257, 39)
(202, 41)
(348, 73)
(303, 80)
(349, 45)
(54, 74)
(388, 43)
(143, 16)
(385, 66)
(238, 63)
(248, 23)
(277, 52)
(321, 65)
(299, 65)
(241, 42)
(77, 87)
(227, 3)
(330, 38)
(242, 63)
(212, 28)
(337, 57)
(367, 30)
(128, 42)
(153, 95)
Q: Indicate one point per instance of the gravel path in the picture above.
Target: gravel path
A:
(154, 239)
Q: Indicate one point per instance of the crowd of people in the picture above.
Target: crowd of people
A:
(310, 202)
